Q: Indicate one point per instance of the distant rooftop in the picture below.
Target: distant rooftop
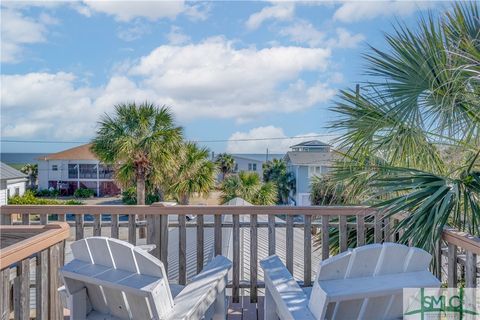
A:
(82, 152)
(7, 172)
(312, 143)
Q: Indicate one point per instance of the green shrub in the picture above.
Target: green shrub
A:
(47, 193)
(129, 197)
(29, 198)
(83, 193)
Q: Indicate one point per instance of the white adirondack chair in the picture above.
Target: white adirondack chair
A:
(112, 279)
(364, 283)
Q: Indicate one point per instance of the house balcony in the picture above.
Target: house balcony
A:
(185, 238)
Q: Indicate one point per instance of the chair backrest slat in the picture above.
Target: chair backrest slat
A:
(118, 265)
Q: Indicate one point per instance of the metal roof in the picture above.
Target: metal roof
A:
(7, 172)
(310, 157)
(312, 143)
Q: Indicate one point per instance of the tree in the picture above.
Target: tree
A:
(225, 163)
(195, 174)
(136, 139)
(423, 96)
(276, 171)
(248, 186)
(32, 171)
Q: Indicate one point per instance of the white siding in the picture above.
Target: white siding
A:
(13, 185)
(3, 197)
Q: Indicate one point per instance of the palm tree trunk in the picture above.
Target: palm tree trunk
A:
(141, 201)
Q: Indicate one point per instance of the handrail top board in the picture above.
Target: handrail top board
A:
(157, 209)
(53, 233)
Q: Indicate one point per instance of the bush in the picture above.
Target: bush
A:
(29, 198)
(83, 193)
(47, 193)
(129, 197)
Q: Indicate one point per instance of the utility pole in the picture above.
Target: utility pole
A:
(266, 157)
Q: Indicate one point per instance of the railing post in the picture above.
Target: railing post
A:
(6, 219)
(377, 217)
(78, 226)
(97, 225)
(114, 226)
(438, 259)
(164, 240)
(41, 285)
(471, 270)
(343, 233)
(452, 266)
(182, 250)
(253, 258)
(325, 237)
(21, 290)
(54, 264)
(236, 259)
(271, 234)
(289, 243)
(43, 218)
(307, 248)
(25, 218)
(200, 242)
(360, 230)
(218, 234)
(5, 288)
(132, 229)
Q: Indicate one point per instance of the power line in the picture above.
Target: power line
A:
(203, 141)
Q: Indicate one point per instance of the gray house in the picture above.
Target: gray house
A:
(306, 160)
(12, 182)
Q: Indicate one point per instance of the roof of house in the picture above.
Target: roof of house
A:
(312, 143)
(7, 172)
(311, 157)
(260, 157)
(82, 152)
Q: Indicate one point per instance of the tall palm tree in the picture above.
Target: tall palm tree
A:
(31, 170)
(248, 186)
(423, 99)
(276, 171)
(225, 163)
(136, 139)
(195, 174)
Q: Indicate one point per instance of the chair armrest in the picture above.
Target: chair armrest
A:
(290, 300)
(193, 301)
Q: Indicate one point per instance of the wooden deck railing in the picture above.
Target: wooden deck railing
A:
(317, 223)
(23, 247)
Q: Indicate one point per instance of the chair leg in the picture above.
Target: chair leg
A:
(220, 303)
(269, 311)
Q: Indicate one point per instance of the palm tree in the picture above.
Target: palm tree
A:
(225, 163)
(32, 171)
(136, 139)
(423, 98)
(248, 186)
(195, 174)
(276, 171)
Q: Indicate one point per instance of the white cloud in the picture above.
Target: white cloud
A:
(212, 79)
(176, 36)
(354, 11)
(133, 32)
(152, 10)
(277, 145)
(277, 11)
(17, 31)
(304, 32)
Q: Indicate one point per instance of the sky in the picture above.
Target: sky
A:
(229, 71)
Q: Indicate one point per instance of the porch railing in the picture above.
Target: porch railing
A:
(321, 223)
(37, 251)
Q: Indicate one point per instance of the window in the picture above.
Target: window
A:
(105, 171)
(73, 171)
(17, 191)
(54, 167)
(314, 171)
(254, 165)
(88, 171)
(249, 167)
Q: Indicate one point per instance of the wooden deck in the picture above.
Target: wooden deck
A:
(246, 310)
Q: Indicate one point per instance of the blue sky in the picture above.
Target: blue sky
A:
(228, 70)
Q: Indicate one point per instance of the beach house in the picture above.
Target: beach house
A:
(76, 168)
